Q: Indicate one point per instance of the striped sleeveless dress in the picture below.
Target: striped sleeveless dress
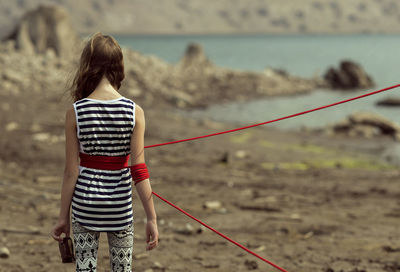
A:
(102, 199)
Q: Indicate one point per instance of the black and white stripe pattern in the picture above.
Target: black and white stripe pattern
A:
(102, 199)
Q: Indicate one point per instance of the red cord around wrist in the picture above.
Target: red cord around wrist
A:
(139, 172)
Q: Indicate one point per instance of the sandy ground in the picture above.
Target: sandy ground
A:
(306, 201)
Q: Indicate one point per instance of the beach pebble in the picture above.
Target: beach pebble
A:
(201, 229)
(295, 216)
(141, 256)
(4, 252)
(212, 205)
(12, 126)
(41, 137)
(223, 210)
(241, 154)
(260, 248)
(251, 265)
(308, 235)
(209, 264)
(187, 230)
(157, 265)
(46, 179)
(225, 158)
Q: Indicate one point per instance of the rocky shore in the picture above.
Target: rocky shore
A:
(41, 69)
(305, 200)
(46, 60)
(220, 17)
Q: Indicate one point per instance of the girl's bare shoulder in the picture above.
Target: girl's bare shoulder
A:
(139, 112)
(70, 111)
(70, 115)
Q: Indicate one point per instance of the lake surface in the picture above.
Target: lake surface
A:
(301, 55)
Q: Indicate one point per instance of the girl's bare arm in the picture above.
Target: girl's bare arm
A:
(137, 156)
(143, 187)
(71, 170)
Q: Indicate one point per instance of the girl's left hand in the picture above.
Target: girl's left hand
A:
(62, 226)
(151, 234)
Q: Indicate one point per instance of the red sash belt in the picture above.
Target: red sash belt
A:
(104, 162)
(139, 171)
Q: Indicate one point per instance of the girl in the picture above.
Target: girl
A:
(103, 129)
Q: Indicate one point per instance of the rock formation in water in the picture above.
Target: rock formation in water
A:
(194, 57)
(45, 28)
(350, 75)
(206, 82)
(390, 102)
(366, 124)
(195, 81)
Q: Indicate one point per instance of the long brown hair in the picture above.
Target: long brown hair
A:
(101, 56)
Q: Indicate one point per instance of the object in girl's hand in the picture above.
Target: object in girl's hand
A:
(66, 250)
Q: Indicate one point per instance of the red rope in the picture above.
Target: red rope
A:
(220, 234)
(276, 120)
(259, 124)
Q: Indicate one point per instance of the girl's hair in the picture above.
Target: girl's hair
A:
(101, 56)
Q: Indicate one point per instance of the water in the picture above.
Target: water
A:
(262, 110)
(302, 55)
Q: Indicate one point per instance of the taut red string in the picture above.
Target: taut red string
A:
(276, 120)
(220, 234)
(241, 128)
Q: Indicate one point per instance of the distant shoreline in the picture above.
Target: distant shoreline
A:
(193, 17)
(272, 34)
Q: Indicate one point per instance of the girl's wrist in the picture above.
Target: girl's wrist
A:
(62, 218)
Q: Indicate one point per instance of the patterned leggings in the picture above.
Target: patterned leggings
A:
(86, 244)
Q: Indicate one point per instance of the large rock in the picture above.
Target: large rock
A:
(350, 75)
(390, 101)
(375, 120)
(193, 82)
(47, 27)
(205, 82)
(366, 124)
(194, 59)
(4, 252)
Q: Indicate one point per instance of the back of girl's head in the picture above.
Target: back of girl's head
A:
(101, 56)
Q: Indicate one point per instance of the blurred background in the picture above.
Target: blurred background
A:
(303, 38)
(219, 17)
